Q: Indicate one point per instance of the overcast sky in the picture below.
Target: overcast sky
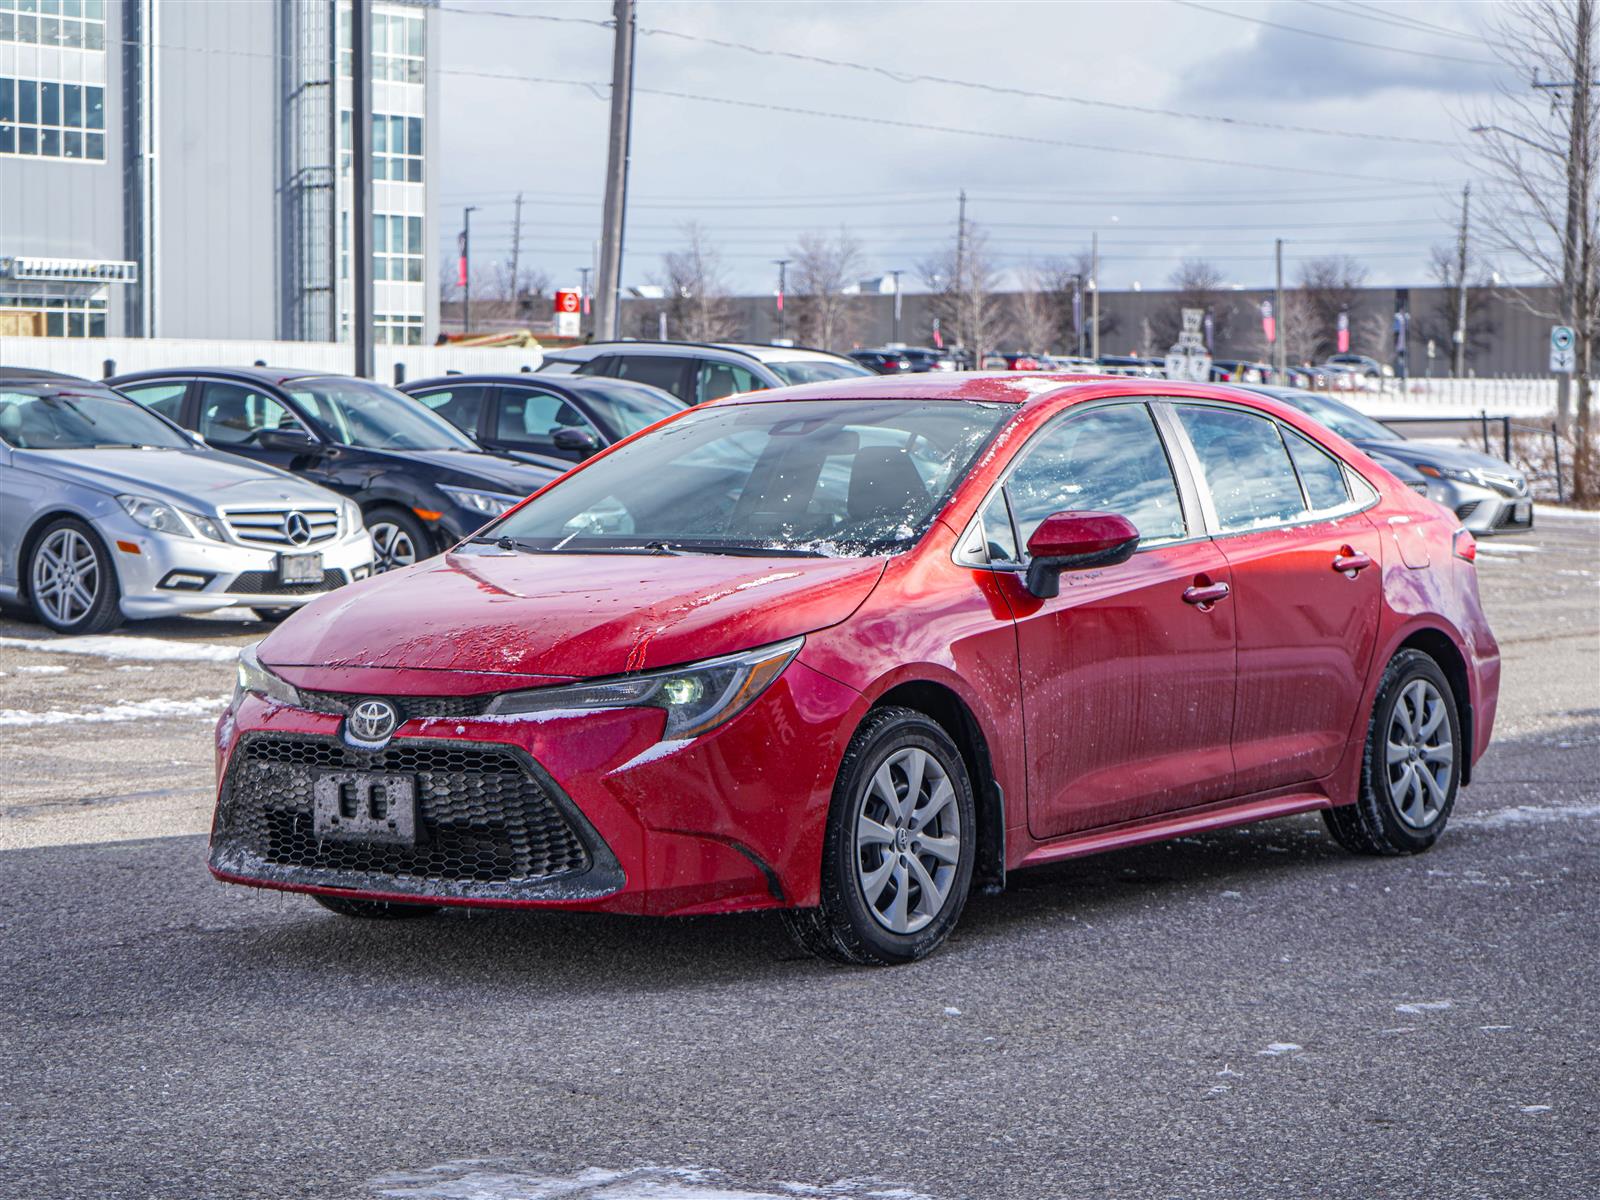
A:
(755, 178)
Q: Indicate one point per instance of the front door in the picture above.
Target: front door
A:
(1128, 674)
(233, 416)
(1307, 582)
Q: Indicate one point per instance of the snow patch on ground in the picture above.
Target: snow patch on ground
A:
(491, 1179)
(126, 710)
(1417, 1007)
(1487, 547)
(111, 646)
(1530, 814)
(42, 669)
(1276, 1049)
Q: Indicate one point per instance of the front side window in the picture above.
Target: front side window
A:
(819, 370)
(1104, 460)
(1245, 465)
(530, 418)
(827, 477)
(80, 417)
(232, 414)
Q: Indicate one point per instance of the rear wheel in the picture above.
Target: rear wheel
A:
(375, 910)
(398, 539)
(71, 583)
(1411, 768)
(901, 838)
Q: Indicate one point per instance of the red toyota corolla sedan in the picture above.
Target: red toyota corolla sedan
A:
(851, 649)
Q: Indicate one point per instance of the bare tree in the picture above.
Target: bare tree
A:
(825, 313)
(1196, 283)
(961, 282)
(696, 300)
(1541, 146)
(1331, 286)
(1068, 277)
(1438, 323)
(1035, 319)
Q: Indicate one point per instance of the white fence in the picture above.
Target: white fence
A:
(1527, 398)
(87, 356)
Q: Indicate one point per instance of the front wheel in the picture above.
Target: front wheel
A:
(72, 584)
(901, 839)
(1412, 764)
(398, 538)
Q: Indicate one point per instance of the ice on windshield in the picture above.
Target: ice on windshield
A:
(821, 477)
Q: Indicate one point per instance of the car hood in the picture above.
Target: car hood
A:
(476, 469)
(200, 480)
(1441, 456)
(568, 615)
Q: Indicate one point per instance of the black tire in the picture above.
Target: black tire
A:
(104, 613)
(380, 520)
(272, 615)
(1375, 823)
(375, 910)
(845, 927)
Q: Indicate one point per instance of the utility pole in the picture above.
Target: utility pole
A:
(1280, 325)
(1094, 296)
(609, 292)
(783, 279)
(1461, 288)
(894, 339)
(466, 267)
(361, 184)
(516, 255)
(583, 295)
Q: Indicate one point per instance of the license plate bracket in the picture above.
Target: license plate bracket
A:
(365, 806)
(1522, 512)
(300, 568)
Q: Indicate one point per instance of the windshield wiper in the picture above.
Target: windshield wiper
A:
(503, 542)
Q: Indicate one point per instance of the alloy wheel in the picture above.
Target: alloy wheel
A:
(1421, 759)
(394, 546)
(65, 579)
(908, 841)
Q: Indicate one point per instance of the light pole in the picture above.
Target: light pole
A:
(466, 267)
(583, 295)
(895, 275)
(783, 278)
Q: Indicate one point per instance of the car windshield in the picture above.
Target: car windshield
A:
(375, 417)
(822, 477)
(80, 417)
(800, 370)
(629, 408)
(1346, 422)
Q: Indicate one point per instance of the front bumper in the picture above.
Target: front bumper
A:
(235, 575)
(1483, 510)
(552, 810)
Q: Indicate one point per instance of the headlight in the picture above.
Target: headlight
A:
(1456, 473)
(490, 504)
(696, 697)
(162, 517)
(253, 677)
(350, 517)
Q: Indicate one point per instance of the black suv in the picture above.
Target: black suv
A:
(420, 483)
(535, 416)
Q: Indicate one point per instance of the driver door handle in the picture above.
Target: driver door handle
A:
(1205, 596)
(1349, 562)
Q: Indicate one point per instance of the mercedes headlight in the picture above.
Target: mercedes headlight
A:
(350, 517)
(490, 504)
(161, 517)
(255, 678)
(696, 697)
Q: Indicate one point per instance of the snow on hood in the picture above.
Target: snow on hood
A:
(569, 615)
(200, 480)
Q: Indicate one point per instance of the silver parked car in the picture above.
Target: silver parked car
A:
(108, 511)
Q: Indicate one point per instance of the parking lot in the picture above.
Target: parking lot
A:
(1241, 1014)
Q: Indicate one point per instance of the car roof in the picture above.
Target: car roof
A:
(272, 376)
(569, 383)
(767, 353)
(35, 375)
(761, 353)
(991, 387)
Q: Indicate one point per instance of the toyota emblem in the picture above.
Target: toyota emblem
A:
(296, 528)
(371, 723)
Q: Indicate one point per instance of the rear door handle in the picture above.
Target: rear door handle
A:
(1349, 561)
(1205, 596)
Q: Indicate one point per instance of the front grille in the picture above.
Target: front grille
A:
(486, 823)
(1463, 511)
(270, 526)
(266, 583)
(410, 708)
(1506, 485)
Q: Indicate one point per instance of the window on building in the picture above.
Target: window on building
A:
(73, 24)
(42, 118)
(396, 146)
(397, 329)
(397, 45)
(51, 310)
(396, 248)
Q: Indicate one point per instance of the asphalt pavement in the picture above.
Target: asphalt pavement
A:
(1251, 1013)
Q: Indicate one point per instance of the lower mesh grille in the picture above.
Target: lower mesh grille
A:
(485, 823)
(1463, 511)
(265, 583)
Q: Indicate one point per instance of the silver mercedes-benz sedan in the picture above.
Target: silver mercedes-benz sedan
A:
(109, 511)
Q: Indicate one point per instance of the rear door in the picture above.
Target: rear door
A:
(1307, 583)
(460, 404)
(1127, 681)
(669, 372)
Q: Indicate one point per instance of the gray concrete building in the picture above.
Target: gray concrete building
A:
(180, 169)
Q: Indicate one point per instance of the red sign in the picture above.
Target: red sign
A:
(568, 302)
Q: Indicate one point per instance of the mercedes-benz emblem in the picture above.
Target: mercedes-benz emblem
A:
(371, 722)
(296, 528)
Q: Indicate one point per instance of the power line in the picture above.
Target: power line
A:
(1333, 37)
(1402, 20)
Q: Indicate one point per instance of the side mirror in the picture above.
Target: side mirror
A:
(1075, 541)
(286, 441)
(570, 437)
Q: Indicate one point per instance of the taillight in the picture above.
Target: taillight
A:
(1465, 546)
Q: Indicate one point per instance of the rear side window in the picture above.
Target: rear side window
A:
(164, 398)
(714, 380)
(460, 406)
(1245, 466)
(657, 371)
(1105, 460)
(1320, 473)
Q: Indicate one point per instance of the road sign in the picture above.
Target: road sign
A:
(568, 306)
(1563, 350)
